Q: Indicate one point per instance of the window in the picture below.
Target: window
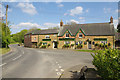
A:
(67, 34)
(47, 37)
(80, 35)
(93, 43)
(44, 43)
(80, 42)
(67, 42)
(76, 43)
(34, 38)
(104, 42)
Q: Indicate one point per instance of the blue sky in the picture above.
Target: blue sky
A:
(26, 15)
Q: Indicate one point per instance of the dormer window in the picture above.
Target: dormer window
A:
(67, 35)
(47, 37)
(80, 35)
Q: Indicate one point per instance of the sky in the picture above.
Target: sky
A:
(43, 15)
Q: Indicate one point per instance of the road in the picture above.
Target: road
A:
(41, 63)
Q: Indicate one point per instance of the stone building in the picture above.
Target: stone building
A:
(86, 35)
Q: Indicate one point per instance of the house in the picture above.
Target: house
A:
(86, 35)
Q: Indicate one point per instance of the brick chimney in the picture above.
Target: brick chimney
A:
(111, 19)
(61, 23)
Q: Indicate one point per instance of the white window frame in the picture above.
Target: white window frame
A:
(79, 35)
(104, 42)
(66, 42)
(47, 37)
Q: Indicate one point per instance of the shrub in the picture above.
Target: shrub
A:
(72, 45)
(66, 46)
(39, 44)
(48, 45)
(96, 44)
(43, 46)
(79, 46)
(107, 63)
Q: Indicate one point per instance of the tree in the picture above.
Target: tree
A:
(19, 37)
(5, 35)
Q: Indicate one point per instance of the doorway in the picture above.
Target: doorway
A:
(54, 44)
(89, 45)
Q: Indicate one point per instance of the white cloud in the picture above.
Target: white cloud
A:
(76, 11)
(107, 10)
(60, 5)
(65, 14)
(27, 8)
(72, 21)
(115, 21)
(59, 1)
(81, 18)
(49, 25)
(27, 25)
(87, 10)
(117, 10)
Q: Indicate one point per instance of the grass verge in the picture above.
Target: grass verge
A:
(4, 50)
(92, 51)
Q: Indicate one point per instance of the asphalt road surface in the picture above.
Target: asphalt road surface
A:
(41, 63)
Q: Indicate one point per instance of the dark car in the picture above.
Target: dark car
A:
(18, 44)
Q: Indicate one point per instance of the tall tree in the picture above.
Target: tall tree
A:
(5, 36)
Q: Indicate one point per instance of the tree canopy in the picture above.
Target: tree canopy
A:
(5, 35)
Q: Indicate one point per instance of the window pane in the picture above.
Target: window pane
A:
(47, 36)
(67, 34)
(80, 35)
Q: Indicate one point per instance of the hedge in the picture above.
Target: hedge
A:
(107, 63)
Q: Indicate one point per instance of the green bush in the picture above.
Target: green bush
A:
(43, 46)
(79, 46)
(107, 63)
(66, 46)
(72, 45)
(96, 44)
(48, 44)
(39, 44)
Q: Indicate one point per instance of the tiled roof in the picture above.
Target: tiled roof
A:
(45, 31)
(97, 29)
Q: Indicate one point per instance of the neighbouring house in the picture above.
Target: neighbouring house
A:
(87, 35)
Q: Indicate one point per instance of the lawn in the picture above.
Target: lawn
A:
(4, 50)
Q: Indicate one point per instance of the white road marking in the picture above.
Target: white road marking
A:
(3, 64)
(58, 73)
(56, 70)
(62, 70)
(56, 62)
(60, 67)
(17, 57)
